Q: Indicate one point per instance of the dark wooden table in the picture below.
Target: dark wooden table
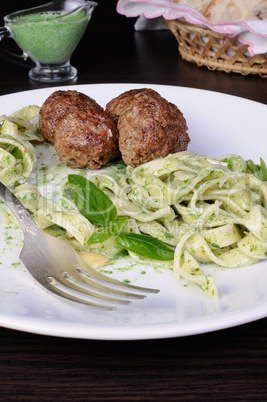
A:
(225, 365)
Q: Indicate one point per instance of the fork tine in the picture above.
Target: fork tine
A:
(103, 278)
(69, 281)
(78, 275)
(58, 287)
(65, 295)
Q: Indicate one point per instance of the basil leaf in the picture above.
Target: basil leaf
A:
(263, 170)
(253, 168)
(118, 224)
(260, 171)
(92, 202)
(100, 235)
(106, 232)
(145, 245)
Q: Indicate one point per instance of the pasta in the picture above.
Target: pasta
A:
(17, 154)
(210, 210)
(47, 213)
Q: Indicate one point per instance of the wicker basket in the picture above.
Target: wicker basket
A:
(215, 50)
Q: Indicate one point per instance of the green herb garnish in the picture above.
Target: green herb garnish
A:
(260, 171)
(98, 208)
(92, 202)
(17, 153)
(145, 245)
(106, 232)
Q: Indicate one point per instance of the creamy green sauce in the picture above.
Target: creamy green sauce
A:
(49, 38)
(115, 170)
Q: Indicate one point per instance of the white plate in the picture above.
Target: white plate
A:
(218, 124)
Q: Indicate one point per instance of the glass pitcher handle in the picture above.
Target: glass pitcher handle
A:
(9, 56)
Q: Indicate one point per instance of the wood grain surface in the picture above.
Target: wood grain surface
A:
(226, 365)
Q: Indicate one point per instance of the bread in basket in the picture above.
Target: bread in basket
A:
(205, 47)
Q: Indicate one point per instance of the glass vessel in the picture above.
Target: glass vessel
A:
(48, 35)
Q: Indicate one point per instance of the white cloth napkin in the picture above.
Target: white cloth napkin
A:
(151, 12)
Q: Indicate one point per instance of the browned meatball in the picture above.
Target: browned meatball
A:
(117, 106)
(149, 126)
(86, 138)
(55, 107)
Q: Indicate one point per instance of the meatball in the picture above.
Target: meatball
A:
(55, 107)
(117, 106)
(83, 134)
(149, 126)
(86, 138)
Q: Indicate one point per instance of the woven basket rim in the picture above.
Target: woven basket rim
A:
(215, 50)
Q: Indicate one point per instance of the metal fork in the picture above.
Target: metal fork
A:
(56, 266)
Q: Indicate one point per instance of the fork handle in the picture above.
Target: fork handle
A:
(24, 218)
